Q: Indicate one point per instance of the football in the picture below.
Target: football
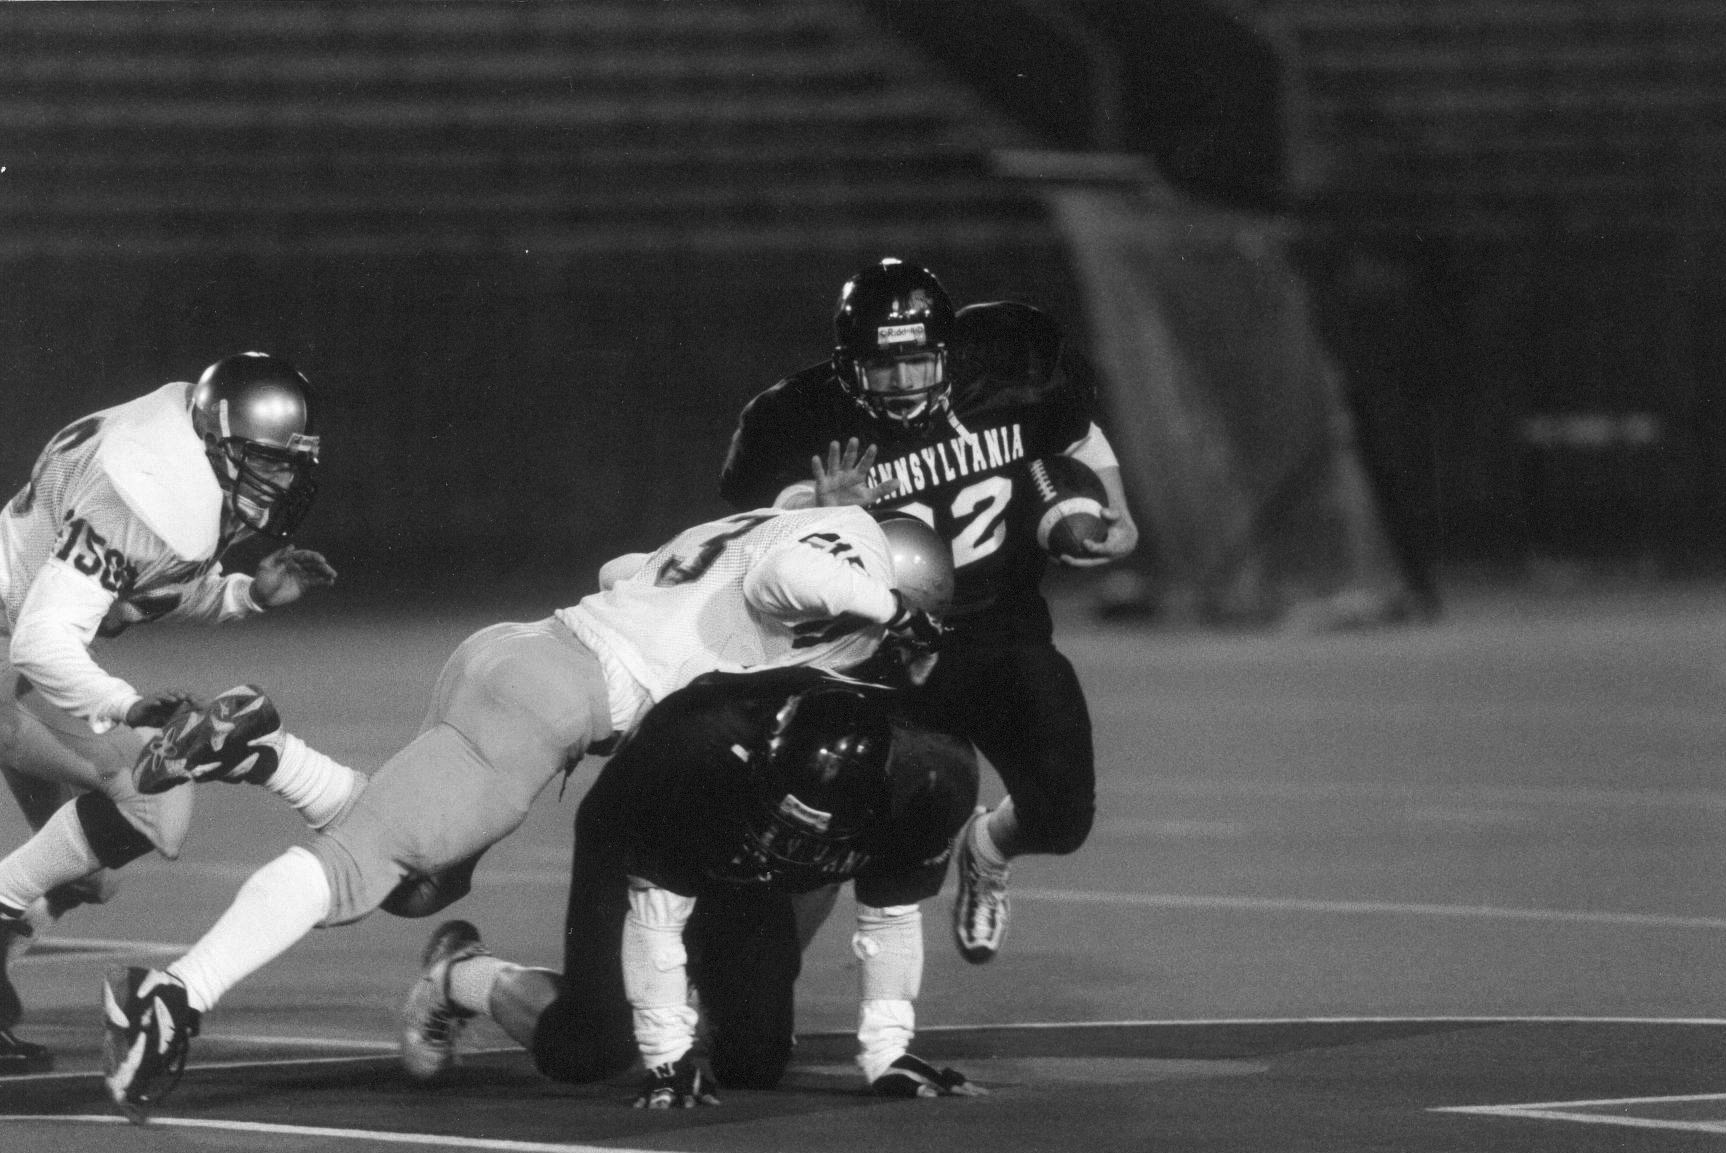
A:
(1070, 499)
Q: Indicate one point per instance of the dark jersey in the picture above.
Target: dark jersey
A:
(1018, 393)
(674, 798)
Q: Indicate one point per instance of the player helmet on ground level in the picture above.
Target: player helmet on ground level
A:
(893, 311)
(822, 777)
(253, 413)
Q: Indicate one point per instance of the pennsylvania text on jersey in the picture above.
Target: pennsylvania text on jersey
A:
(952, 459)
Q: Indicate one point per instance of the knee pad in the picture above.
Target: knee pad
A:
(120, 832)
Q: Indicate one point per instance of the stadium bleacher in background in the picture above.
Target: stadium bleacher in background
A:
(537, 254)
(1536, 187)
(547, 248)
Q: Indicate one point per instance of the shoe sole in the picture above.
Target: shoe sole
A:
(975, 954)
(117, 1047)
(152, 774)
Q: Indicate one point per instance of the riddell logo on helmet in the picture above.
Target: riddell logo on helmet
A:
(804, 815)
(890, 334)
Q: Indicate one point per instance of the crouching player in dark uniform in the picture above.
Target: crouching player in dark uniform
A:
(738, 792)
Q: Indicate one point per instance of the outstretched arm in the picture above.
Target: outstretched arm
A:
(287, 574)
(843, 478)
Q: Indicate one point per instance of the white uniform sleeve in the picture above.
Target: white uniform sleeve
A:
(654, 975)
(621, 568)
(51, 646)
(216, 598)
(799, 495)
(1093, 449)
(801, 579)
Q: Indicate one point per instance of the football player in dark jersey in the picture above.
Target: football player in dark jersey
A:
(940, 412)
(737, 792)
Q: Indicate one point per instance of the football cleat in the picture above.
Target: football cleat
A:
(235, 738)
(980, 906)
(431, 1022)
(150, 1027)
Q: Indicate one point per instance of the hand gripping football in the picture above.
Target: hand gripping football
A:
(1070, 499)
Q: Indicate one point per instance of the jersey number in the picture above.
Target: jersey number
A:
(89, 553)
(679, 570)
(65, 440)
(980, 513)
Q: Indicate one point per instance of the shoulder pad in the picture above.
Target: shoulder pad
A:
(156, 463)
(805, 386)
(1004, 346)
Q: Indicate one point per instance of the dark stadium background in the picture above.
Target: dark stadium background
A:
(535, 255)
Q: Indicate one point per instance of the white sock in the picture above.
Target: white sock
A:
(58, 853)
(278, 904)
(471, 981)
(983, 843)
(311, 782)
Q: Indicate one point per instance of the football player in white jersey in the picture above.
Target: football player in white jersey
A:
(124, 519)
(515, 705)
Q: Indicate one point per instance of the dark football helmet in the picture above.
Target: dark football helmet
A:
(822, 779)
(893, 311)
(253, 412)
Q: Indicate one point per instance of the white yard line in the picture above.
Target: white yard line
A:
(425, 1140)
(1379, 908)
(1704, 800)
(1571, 1111)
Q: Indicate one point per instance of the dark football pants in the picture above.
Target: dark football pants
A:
(743, 959)
(1023, 707)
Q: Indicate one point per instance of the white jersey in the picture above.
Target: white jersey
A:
(762, 589)
(118, 524)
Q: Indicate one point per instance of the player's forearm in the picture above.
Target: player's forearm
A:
(57, 663)
(216, 599)
(799, 495)
(802, 582)
(1117, 491)
(655, 978)
(50, 647)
